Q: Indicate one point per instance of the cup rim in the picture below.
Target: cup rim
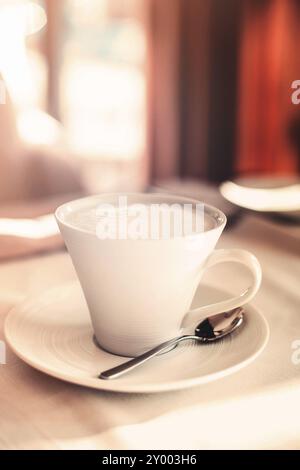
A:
(218, 216)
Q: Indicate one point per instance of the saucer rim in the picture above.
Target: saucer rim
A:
(119, 387)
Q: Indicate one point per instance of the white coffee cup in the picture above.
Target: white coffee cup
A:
(139, 292)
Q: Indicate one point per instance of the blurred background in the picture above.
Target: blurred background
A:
(113, 95)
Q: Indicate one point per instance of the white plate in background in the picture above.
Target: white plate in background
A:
(262, 194)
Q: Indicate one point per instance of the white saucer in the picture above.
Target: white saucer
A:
(53, 334)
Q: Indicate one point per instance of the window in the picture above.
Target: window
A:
(102, 78)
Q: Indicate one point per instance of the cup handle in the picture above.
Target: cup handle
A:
(244, 257)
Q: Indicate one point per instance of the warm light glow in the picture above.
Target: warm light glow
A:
(22, 16)
(18, 19)
(224, 423)
(38, 128)
(38, 228)
(103, 80)
(104, 109)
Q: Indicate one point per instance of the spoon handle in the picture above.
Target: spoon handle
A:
(137, 361)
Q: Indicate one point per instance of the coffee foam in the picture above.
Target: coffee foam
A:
(147, 218)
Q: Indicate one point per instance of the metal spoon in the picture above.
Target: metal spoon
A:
(211, 329)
